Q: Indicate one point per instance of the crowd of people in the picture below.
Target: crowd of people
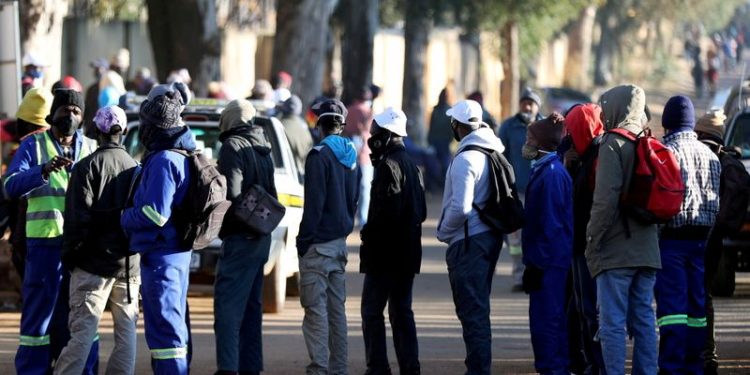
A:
(100, 229)
(723, 52)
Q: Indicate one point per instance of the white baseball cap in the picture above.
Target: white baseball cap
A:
(466, 112)
(393, 120)
(34, 59)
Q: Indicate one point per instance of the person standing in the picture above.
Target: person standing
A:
(150, 226)
(245, 160)
(40, 172)
(391, 250)
(331, 194)
(584, 126)
(100, 67)
(547, 243)
(473, 247)
(95, 249)
(358, 122)
(297, 131)
(512, 134)
(439, 135)
(679, 291)
(622, 253)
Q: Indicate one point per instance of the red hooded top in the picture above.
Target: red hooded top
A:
(584, 123)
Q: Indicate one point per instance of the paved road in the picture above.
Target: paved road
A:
(441, 346)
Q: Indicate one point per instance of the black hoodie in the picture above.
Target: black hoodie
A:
(243, 148)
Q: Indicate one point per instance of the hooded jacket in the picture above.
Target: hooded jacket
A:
(585, 130)
(245, 160)
(331, 193)
(512, 134)
(608, 244)
(98, 191)
(164, 182)
(467, 182)
(392, 236)
(548, 233)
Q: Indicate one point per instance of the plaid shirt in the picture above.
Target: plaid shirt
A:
(700, 169)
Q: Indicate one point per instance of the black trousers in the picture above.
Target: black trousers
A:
(396, 291)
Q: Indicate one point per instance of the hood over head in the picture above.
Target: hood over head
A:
(343, 149)
(237, 113)
(584, 123)
(624, 107)
(252, 133)
(482, 137)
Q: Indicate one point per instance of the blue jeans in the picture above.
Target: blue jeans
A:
(470, 271)
(680, 306)
(238, 303)
(396, 291)
(625, 296)
(584, 292)
(164, 277)
(547, 323)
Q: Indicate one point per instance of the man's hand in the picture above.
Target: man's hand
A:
(57, 163)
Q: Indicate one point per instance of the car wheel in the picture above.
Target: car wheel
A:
(274, 290)
(723, 283)
(292, 285)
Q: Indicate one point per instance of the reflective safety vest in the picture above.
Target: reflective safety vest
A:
(44, 215)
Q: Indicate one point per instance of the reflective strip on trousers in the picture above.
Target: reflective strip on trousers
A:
(697, 322)
(170, 353)
(672, 319)
(34, 340)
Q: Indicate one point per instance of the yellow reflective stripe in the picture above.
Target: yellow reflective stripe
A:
(44, 228)
(672, 319)
(170, 353)
(46, 203)
(697, 322)
(290, 200)
(154, 215)
(34, 340)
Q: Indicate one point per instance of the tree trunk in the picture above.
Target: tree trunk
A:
(417, 27)
(579, 50)
(605, 50)
(302, 27)
(510, 88)
(184, 34)
(41, 23)
(360, 26)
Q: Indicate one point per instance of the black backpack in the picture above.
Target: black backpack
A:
(504, 210)
(734, 193)
(201, 214)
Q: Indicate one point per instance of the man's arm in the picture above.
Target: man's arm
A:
(230, 165)
(24, 173)
(315, 195)
(463, 177)
(154, 208)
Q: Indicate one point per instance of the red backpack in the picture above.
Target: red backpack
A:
(656, 189)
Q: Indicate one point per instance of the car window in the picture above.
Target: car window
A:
(268, 131)
(740, 136)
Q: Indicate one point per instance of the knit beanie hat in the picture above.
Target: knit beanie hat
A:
(164, 105)
(35, 106)
(64, 98)
(529, 94)
(237, 113)
(679, 114)
(546, 134)
(712, 123)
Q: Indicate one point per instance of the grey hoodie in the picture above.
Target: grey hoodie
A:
(467, 181)
(609, 246)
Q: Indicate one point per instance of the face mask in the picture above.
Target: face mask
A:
(378, 145)
(67, 125)
(37, 74)
(525, 117)
(529, 152)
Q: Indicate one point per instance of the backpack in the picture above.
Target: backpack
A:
(734, 193)
(503, 212)
(656, 189)
(201, 214)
